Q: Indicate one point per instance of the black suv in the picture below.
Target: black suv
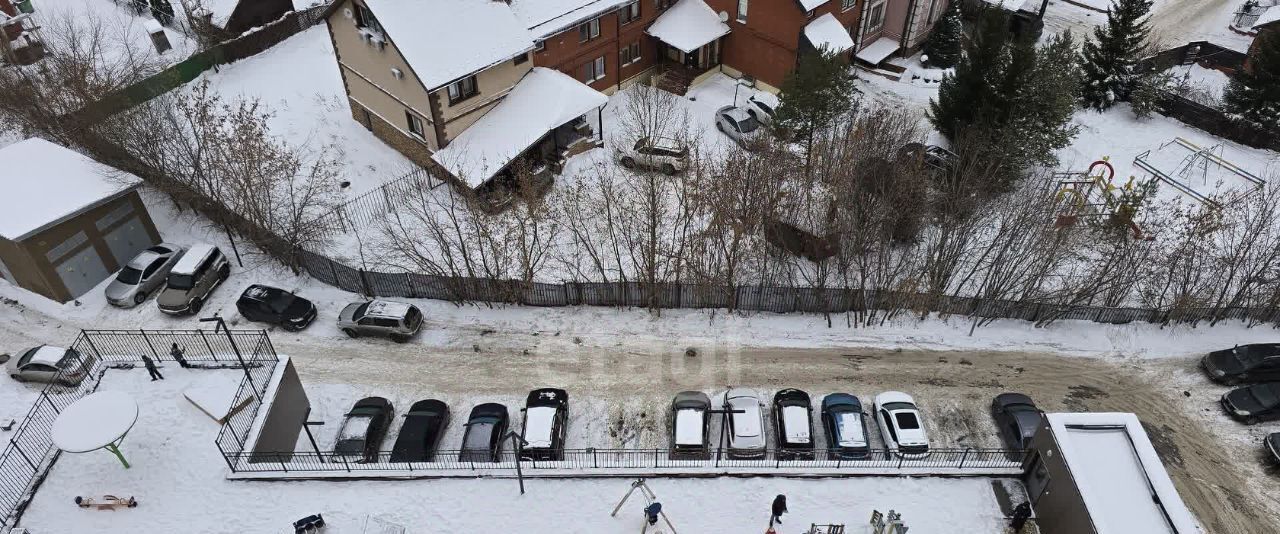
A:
(1243, 363)
(276, 306)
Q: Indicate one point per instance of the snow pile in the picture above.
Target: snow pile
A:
(688, 25)
(826, 32)
(45, 183)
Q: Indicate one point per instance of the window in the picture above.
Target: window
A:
(462, 89)
(365, 19)
(629, 54)
(661, 5)
(521, 59)
(415, 124)
(847, 4)
(593, 71)
(630, 12)
(589, 30)
(539, 46)
(742, 11)
(875, 17)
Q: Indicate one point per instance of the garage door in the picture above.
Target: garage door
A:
(127, 240)
(81, 271)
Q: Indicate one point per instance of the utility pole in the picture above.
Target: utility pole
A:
(223, 325)
(518, 444)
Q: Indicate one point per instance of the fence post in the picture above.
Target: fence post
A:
(900, 459)
(364, 281)
(595, 463)
(655, 457)
(149, 344)
(962, 458)
(566, 293)
(16, 447)
(208, 345)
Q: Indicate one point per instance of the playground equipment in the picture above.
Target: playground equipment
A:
(890, 524)
(98, 421)
(652, 509)
(1188, 167)
(1093, 194)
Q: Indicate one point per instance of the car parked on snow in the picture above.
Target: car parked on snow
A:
(690, 425)
(47, 363)
(1017, 418)
(740, 126)
(846, 426)
(273, 305)
(486, 428)
(362, 431)
(662, 153)
(900, 425)
(746, 423)
(760, 110)
(143, 275)
(1259, 362)
(792, 417)
(546, 417)
(397, 320)
(424, 425)
(932, 156)
(1253, 404)
(1272, 443)
(200, 270)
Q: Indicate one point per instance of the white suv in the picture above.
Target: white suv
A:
(663, 153)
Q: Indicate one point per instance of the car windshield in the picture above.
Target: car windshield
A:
(1265, 394)
(1251, 354)
(894, 406)
(359, 313)
(181, 281)
(129, 275)
(478, 433)
(748, 125)
(906, 420)
(280, 300)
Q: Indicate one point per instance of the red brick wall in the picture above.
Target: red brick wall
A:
(564, 51)
(766, 46)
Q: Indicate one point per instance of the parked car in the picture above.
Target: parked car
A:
(200, 270)
(1253, 404)
(690, 424)
(746, 428)
(1259, 362)
(397, 320)
(1272, 443)
(143, 275)
(740, 126)
(901, 425)
(846, 426)
(47, 363)
(932, 156)
(663, 153)
(1017, 418)
(792, 416)
(423, 426)
(362, 431)
(760, 110)
(276, 306)
(546, 416)
(486, 428)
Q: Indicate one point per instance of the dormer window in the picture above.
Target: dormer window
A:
(366, 20)
(462, 89)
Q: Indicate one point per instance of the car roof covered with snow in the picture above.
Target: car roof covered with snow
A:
(47, 355)
(736, 113)
(796, 421)
(539, 422)
(143, 259)
(45, 184)
(188, 263)
(387, 309)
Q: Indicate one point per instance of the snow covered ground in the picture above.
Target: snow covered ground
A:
(122, 32)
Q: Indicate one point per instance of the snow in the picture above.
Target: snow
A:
(1029, 6)
(122, 35)
(191, 258)
(1117, 470)
(746, 423)
(45, 184)
(542, 101)
(1196, 79)
(877, 51)
(355, 427)
(851, 435)
(1270, 15)
(94, 421)
(152, 26)
(215, 396)
(547, 17)
(538, 424)
(1177, 22)
(796, 420)
(810, 5)
(444, 40)
(826, 32)
(688, 427)
(48, 355)
(220, 9)
(688, 25)
(387, 308)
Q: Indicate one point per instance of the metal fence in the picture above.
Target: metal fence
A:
(367, 209)
(311, 464)
(30, 453)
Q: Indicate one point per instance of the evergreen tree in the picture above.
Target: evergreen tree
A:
(1112, 53)
(814, 94)
(967, 94)
(1254, 93)
(947, 40)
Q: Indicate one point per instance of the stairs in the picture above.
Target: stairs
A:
(675, 79)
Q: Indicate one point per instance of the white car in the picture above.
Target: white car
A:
(760, 110)
(901, 425)
(740, 126)
(47, 363)
(746, 428)
(663, 153)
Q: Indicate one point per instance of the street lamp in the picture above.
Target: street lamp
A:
(223, 325)
(518, 443)
(737, 84)
(724, 423)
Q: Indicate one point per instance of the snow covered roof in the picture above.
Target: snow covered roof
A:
(688, 25)
(547, 17)
(796, 420)
(48, 355)
(1119, 475)
(45, 184)
(1269, 16)
(810, 5)
(826, 32)
(220, 9)
(877, 51)
(191, 258)
(689, 427)
(543, 100)
(444, 40)
(538, 424)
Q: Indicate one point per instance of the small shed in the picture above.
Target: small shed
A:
(66, 221)
(1098, 473)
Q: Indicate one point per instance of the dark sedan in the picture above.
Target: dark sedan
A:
(791, 415)
(276, 306)
(363, 429)
(1016, 417)
(482, 441)
(1243, 363)
(423, 426)
(1253, 404)
(846, 426)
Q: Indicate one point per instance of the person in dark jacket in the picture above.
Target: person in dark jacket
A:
(779, 508)
(151, 368)
(176, 354)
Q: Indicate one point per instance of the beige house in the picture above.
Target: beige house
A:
(422, 75)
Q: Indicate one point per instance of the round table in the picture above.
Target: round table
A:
(97, 421)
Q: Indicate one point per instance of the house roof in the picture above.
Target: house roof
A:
(45, 184)
(543, 100)
(548, 17)
(826, 32)
(444, 40)
(810, 5)
(877, 51)
(688, 25)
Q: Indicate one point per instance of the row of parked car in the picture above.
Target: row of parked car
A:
(546, 413)
(1259, 366)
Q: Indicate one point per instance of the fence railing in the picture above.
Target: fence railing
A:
(367, 209)
(972, 461)
(30, 452)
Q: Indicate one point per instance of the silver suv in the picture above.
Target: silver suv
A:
(200, 270)
(397, 320)
(663, 153)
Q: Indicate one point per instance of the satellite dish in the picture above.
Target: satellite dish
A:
(724, 16)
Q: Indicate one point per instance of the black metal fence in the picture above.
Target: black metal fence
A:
(942, 461)
(30, 453)
(366, 210)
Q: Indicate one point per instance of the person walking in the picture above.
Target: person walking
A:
(151, 368)
(176, 354)
(779, 508)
